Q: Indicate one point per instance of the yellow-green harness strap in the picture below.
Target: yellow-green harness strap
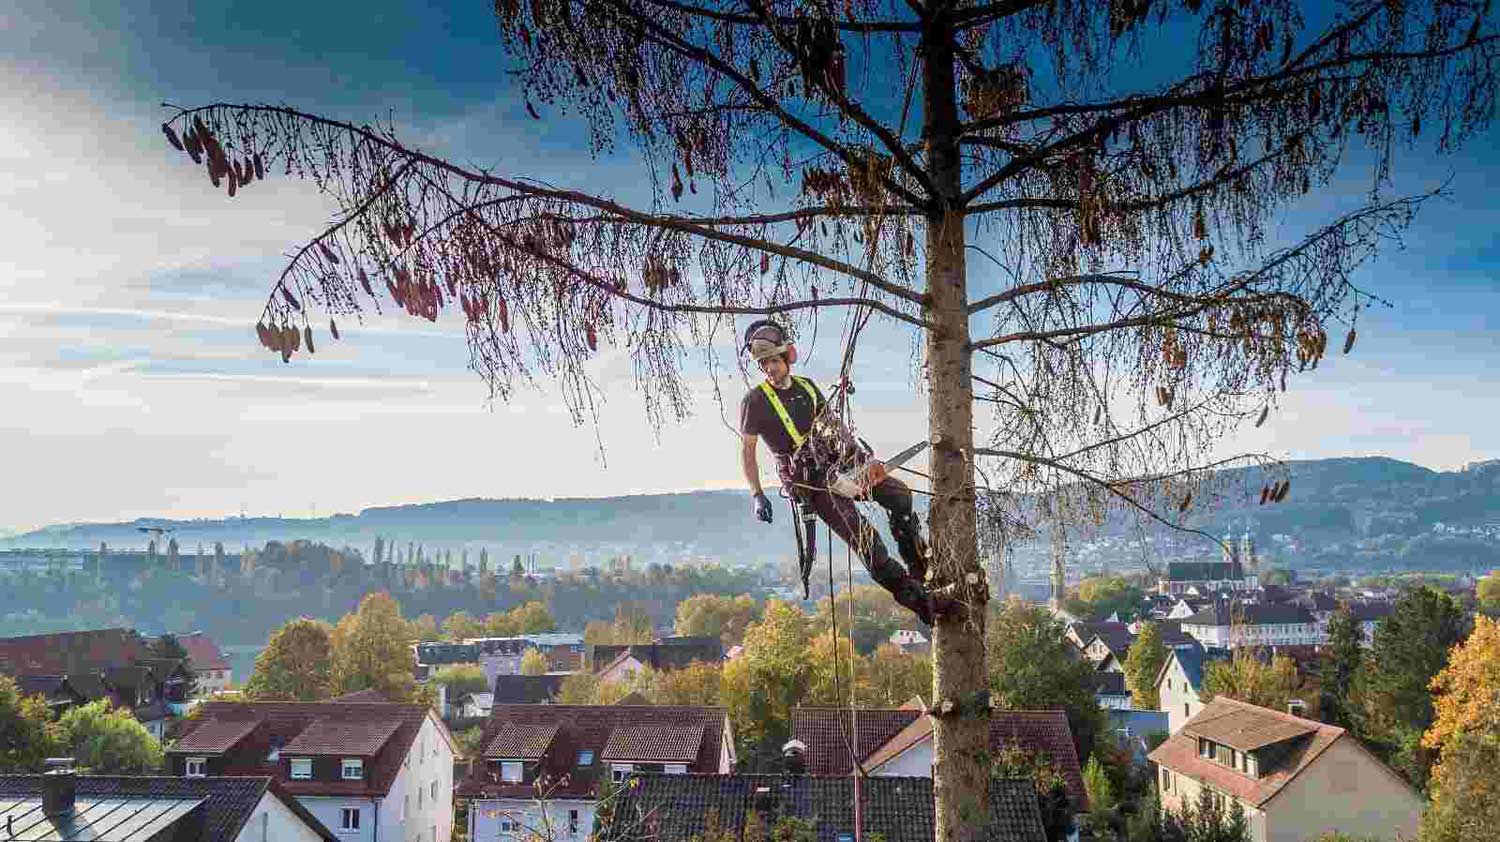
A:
(786, 418)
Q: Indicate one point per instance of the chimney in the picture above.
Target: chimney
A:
(59, 785)
(794, 753)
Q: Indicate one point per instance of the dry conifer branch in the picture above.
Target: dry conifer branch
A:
(1136, 311)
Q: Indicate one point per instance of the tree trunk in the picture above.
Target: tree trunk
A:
(960, 682)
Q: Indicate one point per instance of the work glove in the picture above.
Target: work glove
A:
(762, 507)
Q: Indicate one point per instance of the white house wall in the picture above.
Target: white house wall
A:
(915, 762)
(487, 815)
(273, 821)
(1177, 697)
(329, 810)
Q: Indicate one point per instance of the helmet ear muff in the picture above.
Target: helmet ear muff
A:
(791, 354)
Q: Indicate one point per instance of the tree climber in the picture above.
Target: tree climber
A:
(782, 410)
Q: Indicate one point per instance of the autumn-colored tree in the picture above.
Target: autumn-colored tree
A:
(1487, 592)
(1250, 677)
(1466, 693)
(1142, 663)
(425, 628)
(26, 734)
(532, 618)
(771, 675)
(1103, 596)
(1465, 805)
(695, 684)
(372, 649)
(895, 678)
(533, 662)
(460, 679)
(296, 664)
(856, 154)
(461, 625)
(106, 740)
(627, 627)
(714, 615)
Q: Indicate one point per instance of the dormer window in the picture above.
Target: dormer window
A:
(275, 753)
(195, 767)
(586, 757)
(353, 769)
(301, 768)
(511, 771)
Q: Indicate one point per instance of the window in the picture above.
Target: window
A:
(509, 826)
(510, 771)
(354, 769)
(1166, 780)
(405, 807)
(433, 792)
(301, 768)
(1186, 711)
(586, 757)
(349, 818)
(619, 772)
(572, 821)
(419, 798)
(675, 769)
(195, 767)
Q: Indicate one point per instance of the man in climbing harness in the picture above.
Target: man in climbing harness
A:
(782, 410)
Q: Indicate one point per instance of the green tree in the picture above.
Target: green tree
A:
(1032, 665)
(1488, 594)
(771, 675)
(1142, 663)
(27, 736)
(1410, 648)
(106, 740)
(1015, 763)
(715, 615)
(372, 650)
(1465, 804)
(1210, 820)
(169, 648)
(1102, 596)
(895, 678)
(1102, 796)
(296, 665)
(1338, 665)
(695, 684)
(460, 679)
(1251, 678)
(627, 627)
(425, 628)
(532, 618)
(533, 662)
(578, 688)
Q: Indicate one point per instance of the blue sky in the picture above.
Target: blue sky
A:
(131, 383)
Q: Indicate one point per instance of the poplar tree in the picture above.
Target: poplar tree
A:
(1126, 306)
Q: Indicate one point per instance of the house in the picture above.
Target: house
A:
(898, 742)
(63, 806)
(1235, 573)
(676, 808)
(666, 653)
(1230, 625)
(432, 656)
(1178, 682)
(1369, 613)
(1185, 607)
(1295, 778)
(526, 689)
(1110, 691)
(209, 666)
(368, 770)
(502, 655)
(113, 664)
(1137, 729)
(1082, 633)
(554, 758)
(474, 705)
(910, 642)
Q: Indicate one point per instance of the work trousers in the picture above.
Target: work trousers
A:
(843, 517)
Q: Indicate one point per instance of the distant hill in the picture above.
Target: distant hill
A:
(1378, 509)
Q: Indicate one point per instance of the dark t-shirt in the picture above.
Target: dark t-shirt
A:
(759, 418)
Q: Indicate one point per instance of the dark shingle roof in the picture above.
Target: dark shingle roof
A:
(343, 737)
(526, 689)
(226, 803)
(369, 694)
(521, 742)
(1251, 614)
(824, 730)
(674, 808)
(282, 723)
(1111, 684)
(654, 743)
(665, 653)
(217, 736)
(1200, 571)
(591, 728)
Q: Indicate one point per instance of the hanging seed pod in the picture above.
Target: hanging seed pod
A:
(1349, 341)
(1286, 488)
(1098, 413)
(328, 253)
(172, 138)
(503, 311)
(233, 184)
(247, 168)
(293, 338)
(676, 184)
(1186, 502)
(264, 335)
(333, 328)
(765, 263)
(307, 334)
(260, 167)
(1265, 493)
(531, 109)
(364, 281)
(1264, 412)
(1200, 224)
(592, 337)
(290, 299)
(194, 148)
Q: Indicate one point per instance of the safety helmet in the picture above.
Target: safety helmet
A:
(765, 338)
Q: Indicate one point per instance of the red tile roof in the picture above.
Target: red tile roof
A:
(591, 728)
(369, 694)
(523, 741)
(344, 738)
(1045, 732)
(70, 652)
(283, 722)
(1225, 716)
(203, 653)
(217, 736)
(654, 743)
